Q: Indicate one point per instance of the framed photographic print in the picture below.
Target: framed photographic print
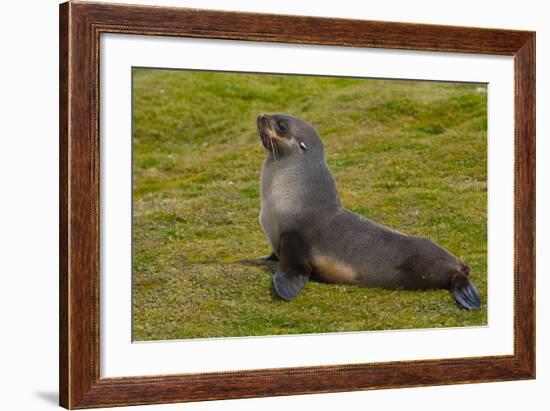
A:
(258, 205)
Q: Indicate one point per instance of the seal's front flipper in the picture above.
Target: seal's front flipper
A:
(289, 285)
(293, 270)
(269, 258)
(465, 293)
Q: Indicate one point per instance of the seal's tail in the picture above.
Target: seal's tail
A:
(464, 291)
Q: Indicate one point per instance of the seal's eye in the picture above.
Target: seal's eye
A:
(281, 126)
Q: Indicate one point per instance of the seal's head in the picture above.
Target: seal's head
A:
(283, 135)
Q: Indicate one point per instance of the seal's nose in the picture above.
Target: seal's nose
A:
(259, 120)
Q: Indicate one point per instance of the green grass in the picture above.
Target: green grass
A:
(408, 154)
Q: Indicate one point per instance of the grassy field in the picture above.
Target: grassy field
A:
(410, 155)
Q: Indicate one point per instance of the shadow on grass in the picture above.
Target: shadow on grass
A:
(267, 266)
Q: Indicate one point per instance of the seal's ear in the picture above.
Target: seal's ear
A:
(303, 146)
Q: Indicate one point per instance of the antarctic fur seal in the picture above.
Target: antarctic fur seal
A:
(313, 237)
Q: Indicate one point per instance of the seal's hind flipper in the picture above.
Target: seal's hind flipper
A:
(465, 293)
(288, 286)
(293, 270)
(271, 257)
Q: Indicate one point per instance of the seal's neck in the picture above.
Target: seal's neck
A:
(298, 185)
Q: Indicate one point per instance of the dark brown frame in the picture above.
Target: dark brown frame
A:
(80, 27)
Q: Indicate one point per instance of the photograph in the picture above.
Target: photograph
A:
(273, 204)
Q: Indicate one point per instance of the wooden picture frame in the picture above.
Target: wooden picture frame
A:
(80, 27)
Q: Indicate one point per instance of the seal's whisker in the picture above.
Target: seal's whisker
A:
(276, 149)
